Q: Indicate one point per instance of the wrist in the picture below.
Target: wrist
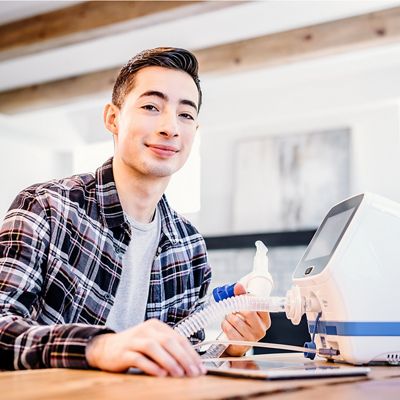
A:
(94, 348)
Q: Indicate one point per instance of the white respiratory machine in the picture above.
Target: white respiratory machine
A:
(349, 277)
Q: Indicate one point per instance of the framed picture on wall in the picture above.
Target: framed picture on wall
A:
(289, 181)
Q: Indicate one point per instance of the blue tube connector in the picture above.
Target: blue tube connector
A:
(223, 292)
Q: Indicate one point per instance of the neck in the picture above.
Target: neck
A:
(137, 193)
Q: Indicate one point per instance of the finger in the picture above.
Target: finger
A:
(156, 352)
(265, 317)
(257, 322)
(237, 325)
(234, 326)
(239, 289)
(137, 360)
(183, 352)
(195, 357)
(231, 332)
(248, 324)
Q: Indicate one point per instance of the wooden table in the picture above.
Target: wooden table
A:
(50, 384)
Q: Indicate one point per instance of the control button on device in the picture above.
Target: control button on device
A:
(308, 270)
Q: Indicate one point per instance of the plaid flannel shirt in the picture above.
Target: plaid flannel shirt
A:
(61, 248)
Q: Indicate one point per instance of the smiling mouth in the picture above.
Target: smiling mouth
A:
(162, 151)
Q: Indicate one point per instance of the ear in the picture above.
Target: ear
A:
(110, 117)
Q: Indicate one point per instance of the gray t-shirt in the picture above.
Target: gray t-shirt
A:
(131, 299)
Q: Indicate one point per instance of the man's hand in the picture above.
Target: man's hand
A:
(249, 325)
(152, 346)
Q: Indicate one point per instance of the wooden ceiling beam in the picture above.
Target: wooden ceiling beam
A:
(90, 20)
(349, 34)
(373, 29)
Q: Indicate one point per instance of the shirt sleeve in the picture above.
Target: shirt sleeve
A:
(24, 343)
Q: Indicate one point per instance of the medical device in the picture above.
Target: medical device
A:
(346, 283)
(350, 272)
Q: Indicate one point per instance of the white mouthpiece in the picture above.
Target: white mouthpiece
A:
(261, 246)
(259, 282)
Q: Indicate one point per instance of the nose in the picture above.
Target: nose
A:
(169, 125)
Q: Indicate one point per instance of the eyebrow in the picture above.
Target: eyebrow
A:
(164, 97)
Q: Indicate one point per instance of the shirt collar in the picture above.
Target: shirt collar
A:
(107, 196)
(113, 214)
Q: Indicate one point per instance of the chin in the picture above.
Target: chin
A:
(161, 172)
(153, 169)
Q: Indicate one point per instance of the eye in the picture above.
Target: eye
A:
(150, 107)
(186, 116)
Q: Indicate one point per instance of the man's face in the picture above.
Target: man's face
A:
(157, 122)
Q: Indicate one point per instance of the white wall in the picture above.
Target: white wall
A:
(22, 163)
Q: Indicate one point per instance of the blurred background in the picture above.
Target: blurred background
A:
(301, 109)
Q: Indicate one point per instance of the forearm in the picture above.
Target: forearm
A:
(24, 344)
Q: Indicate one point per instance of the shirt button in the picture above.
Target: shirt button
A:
(107, 296)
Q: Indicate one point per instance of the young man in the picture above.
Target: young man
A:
(94, 269)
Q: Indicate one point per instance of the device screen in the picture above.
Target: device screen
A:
(329, 234)
(264, 369)
(327, 238)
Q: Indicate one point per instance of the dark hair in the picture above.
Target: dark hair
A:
(168, 57)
